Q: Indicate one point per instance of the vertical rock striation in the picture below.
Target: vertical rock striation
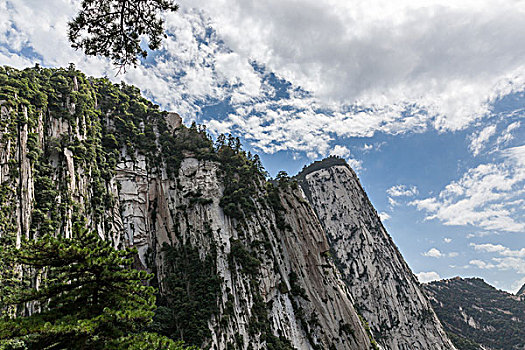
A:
(82, 152)
(385, 291)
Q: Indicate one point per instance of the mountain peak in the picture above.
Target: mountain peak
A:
(521, 291)
(325, 163)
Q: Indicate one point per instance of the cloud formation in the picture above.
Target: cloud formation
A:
(489, 196)
(425, 277)
(384, 216)
(436, 253)
(506, 258)
(449, 58)
(498, 248)
(478, 140)
(402, 191)
(342, 69)
(433, 253)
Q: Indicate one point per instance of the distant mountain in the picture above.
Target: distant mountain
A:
(477, 315)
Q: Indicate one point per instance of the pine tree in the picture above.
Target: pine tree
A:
(114, 28)
(80, 293)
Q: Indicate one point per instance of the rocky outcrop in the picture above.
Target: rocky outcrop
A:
(240, 263)
(78, 152)
(385, 291)
(521, 291)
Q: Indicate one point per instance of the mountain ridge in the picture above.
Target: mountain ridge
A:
(384, 288)
(477, 315)
(250, 257)
(521, 291)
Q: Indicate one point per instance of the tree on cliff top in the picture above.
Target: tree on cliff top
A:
(80, 293)
(114, 28)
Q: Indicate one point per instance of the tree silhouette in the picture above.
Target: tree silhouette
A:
(114, 28)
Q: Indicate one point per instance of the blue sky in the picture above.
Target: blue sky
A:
(424, 99)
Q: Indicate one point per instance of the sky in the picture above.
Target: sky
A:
(424, 99)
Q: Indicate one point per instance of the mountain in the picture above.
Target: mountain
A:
(240, 262)
(385, 291)
(521, 291)
(477, 315)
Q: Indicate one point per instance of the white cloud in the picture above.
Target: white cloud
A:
(355, 164)
(447, 240)
(507, 136)
(498, 248)
(480, 234)
(384, 216)
(392, 202)
(384, 52)
(363, 68)
(425, 277)
(436, 253)
(402, 191)
(489, 248)
(481, 264)
(433, 253)
(367, 147)
(343, 152)
(510, 263)
(517, 285)
(478, 140)
(508, 259)
(489, 196)
(517, 154)
(340, 151)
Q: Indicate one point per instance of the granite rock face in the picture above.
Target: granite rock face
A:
(81, 151)
(385, 291)
(158, 211)
(297, 267)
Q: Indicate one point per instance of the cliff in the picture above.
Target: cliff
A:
(521, 291)
(385, 291)
(240, 263)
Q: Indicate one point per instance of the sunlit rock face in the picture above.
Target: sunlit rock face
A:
(262, 265)
(385, 291)
(158, 211)
(81, 152)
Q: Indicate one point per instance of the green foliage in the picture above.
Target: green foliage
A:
(238, 253)
(242, 173)
(369, 332)
(462, 343)
(274, 199)
(500, 315)
(259, 323)
(115, 28)
(147, 341)
(45, 216)
(105, 123)
(86, 295)
(192, 141)
(192, 289)
(295, 288)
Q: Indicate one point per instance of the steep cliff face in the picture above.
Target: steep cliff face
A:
(245, 259)
(385, 291)
(521, 291)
